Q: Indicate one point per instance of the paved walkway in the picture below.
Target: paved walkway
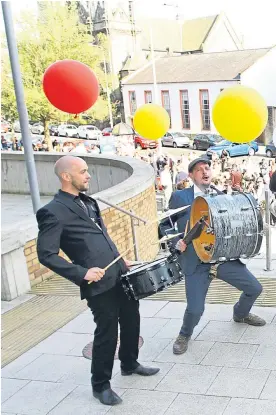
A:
(229, 369)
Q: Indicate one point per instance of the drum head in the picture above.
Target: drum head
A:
(205, 243)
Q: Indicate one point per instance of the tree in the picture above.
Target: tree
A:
(54, 34)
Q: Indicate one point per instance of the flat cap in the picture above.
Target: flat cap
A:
(196, 161)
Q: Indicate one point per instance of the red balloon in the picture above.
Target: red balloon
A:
(71, 86)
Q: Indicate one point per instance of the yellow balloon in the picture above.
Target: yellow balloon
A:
(151, 121)
(240, 114)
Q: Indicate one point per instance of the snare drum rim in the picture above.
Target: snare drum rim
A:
(149, 268)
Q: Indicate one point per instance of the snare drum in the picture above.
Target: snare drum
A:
(235, 227)
(148, 279)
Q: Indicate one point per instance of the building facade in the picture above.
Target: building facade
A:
(187, 86)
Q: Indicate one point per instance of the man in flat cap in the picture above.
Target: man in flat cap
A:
(197, 274)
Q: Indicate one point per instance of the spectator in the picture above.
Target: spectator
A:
(236, 178)
(166, 182)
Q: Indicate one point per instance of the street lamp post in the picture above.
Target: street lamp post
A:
(21, 105)
(105, 76)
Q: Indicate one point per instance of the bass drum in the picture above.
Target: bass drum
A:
(235, 227)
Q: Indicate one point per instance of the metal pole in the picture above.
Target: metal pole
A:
(156, 98)
(268, 231)
(134, 238)
(121, 210)
(108, 93)
(21, 106)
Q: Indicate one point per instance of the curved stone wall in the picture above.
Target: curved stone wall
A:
(126, 182)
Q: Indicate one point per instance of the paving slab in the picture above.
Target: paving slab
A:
(264, 358)
(260, 335)
(196, 352)
(11, 370)
(143, 382)
(152, 348)
(10, 386)
(81, 402)
(219, 312)
(142, 402)
(239, 406)
(239, 383)
(197, 405)
(269, 391)
(49, 367)
(230, 355)
(185, 378)
(268, 313)
(172, 327)
(151, 325)
(222, 331)
(149, 308)
(62, 343)
(37, 398)
(81, 324)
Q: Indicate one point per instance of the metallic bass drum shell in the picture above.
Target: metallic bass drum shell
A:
(237, 224)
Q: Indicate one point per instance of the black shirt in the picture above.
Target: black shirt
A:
(87, 204)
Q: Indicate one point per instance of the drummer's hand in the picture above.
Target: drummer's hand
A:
(128, 263)
(94, 274)
(181, 246)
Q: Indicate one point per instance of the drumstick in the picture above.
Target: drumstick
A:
(186, 228)
(115, 260)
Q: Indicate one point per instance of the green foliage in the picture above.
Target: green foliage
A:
(54, 34)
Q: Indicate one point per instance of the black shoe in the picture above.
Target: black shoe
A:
(251, 319)
(107, 397)
(141, 370)
(180, 345)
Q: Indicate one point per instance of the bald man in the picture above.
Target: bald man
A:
(72, 222)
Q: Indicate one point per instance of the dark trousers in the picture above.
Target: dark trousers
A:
(108, 309)
(234, 273)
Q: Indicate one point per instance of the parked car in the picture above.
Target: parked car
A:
(204, 141)
(143, 143)
(90, 132)
(53, 129)
(17, 128)
(270, 150)
(233, 149)
(67, 130)
(175, 139)
(37, 128)
(107, 131)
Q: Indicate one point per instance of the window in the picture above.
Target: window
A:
(132, 102)
(204, 109)
(185, 110)
(165, 96)
(148, 97)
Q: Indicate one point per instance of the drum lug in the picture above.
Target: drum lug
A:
(249, 234)
(227, 237)
(244, 208)
(222, 210)
(222, 259)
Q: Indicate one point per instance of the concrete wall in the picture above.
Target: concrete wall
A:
(20, 266)
(106, 172)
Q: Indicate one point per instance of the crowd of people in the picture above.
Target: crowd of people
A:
(250, 174)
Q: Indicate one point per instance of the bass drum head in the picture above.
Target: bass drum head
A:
(205, 244)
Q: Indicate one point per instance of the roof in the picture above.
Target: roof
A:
(199, 67)
(193, 33)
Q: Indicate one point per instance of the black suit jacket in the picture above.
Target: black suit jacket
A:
(65, 225)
